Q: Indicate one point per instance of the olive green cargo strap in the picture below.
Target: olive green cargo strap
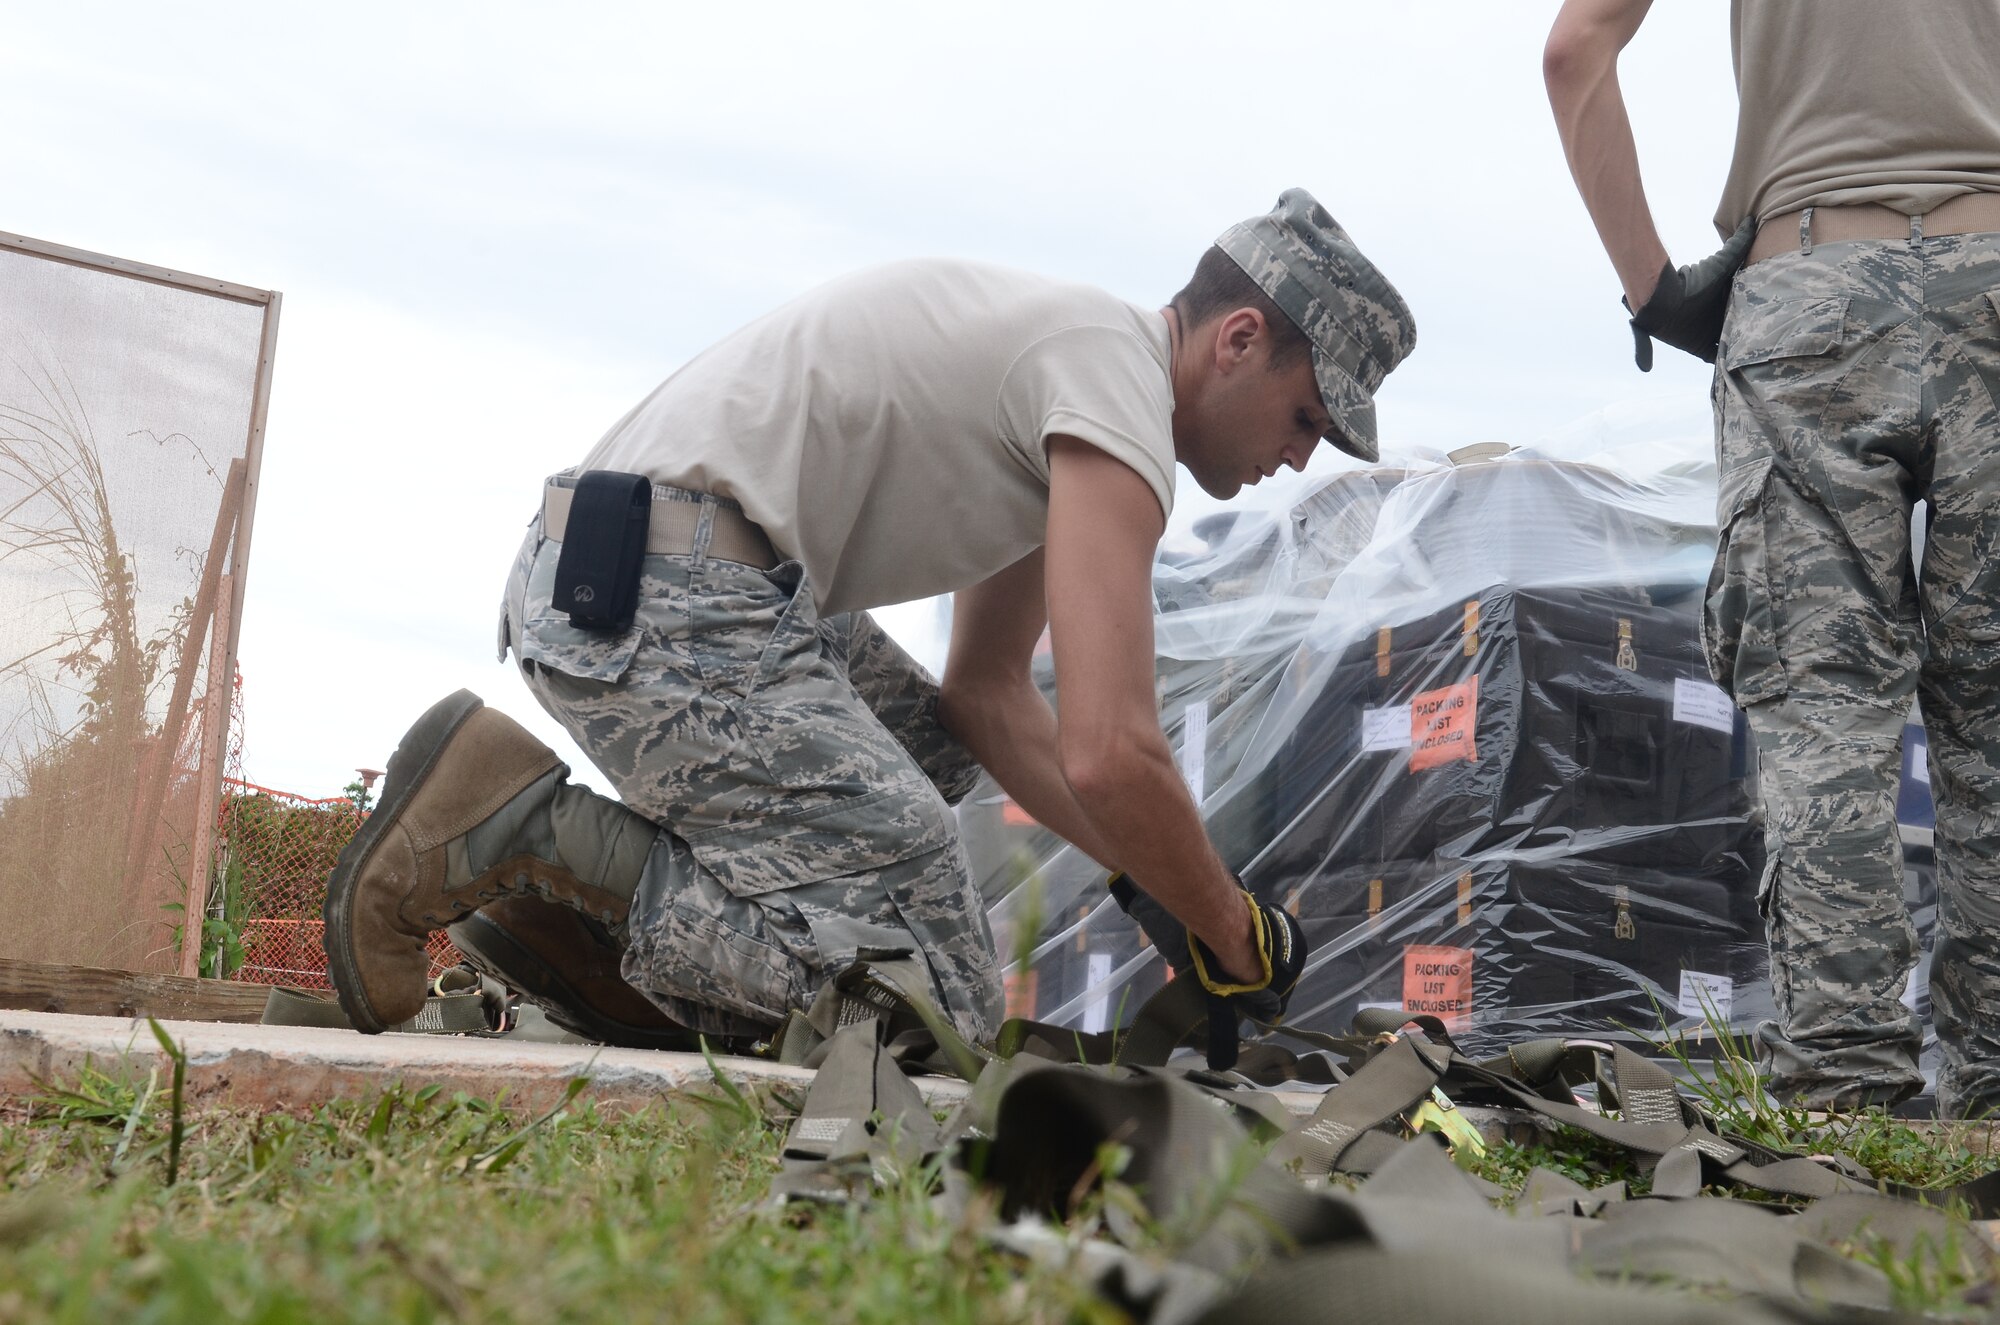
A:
(446, 1014)
(1359, 1123)
(1436, 1224)
(1175, 1013)
(888, 990)
(1388, 1085)
(1423, 1238)
(1394, 1075)
(1244, 1228)
(462, 1002)
(860, 1116)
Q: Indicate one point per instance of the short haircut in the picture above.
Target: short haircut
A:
(1219, 287)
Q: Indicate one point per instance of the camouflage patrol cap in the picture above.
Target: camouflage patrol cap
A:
(1359, 327)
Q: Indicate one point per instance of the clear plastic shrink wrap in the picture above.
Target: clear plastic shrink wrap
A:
(1453, 712)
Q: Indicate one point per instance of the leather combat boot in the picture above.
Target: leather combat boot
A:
(566, 964)
(473, 809)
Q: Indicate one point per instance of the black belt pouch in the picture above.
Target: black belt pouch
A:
(597, 571)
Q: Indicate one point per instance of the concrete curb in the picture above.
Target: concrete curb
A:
(294, 1067)
(236, 1065)
(248, 1066)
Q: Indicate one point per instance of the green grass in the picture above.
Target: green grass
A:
(417, 1206)
(1578, 1156)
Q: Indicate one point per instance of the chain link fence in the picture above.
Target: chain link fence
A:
(277, 851)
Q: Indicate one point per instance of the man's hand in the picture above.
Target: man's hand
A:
(1280, 955)
(1688, 304)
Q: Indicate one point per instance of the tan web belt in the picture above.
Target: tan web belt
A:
(673, 525)
(1802, 227)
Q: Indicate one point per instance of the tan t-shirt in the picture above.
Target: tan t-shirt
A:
(889, 430)
(1842, 101)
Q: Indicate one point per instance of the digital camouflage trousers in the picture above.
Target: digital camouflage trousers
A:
(797, 773)
(1853, 381)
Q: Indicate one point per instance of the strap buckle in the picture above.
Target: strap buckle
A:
(1439, 1114)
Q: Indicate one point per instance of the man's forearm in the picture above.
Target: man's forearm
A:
(1144, 812)
(1012, 733)
(1580, 66)
(1142, 821)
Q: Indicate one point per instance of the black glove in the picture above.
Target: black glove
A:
(1687, 306)
(1281, 949)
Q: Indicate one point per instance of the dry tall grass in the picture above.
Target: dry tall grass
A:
(84, 737)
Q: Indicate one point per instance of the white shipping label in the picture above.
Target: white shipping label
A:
(1097, 973)
(1701, 993)
(1194, 749)
(1386, 729)
(1920, 765)
(1701, 704)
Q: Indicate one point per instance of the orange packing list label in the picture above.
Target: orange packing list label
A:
(1441, 725)
(1013, 815)
(1438, 980)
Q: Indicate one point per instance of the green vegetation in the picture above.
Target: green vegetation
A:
(422, 1206)
(1580, 1157)
(286, 846)
(1721, 1072)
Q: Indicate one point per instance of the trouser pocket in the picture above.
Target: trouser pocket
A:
(1739, 613)
(547, 638)
(712, 955)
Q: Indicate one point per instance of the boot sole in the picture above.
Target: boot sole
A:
(408, 769)
(492, 951)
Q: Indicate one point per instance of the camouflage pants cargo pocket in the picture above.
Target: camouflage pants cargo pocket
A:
(713, 961)
(730, 965)
(1738, 630)
(544, 635)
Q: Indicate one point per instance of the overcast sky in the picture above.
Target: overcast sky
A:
(496, 226)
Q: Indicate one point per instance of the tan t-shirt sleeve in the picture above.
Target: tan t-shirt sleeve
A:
(1101, 385)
